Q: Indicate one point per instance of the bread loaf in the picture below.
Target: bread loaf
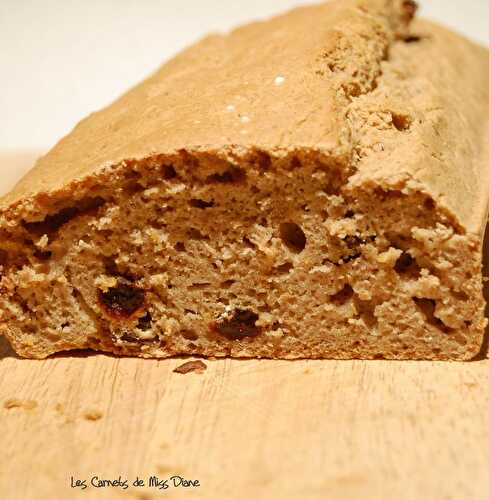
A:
(313, 186)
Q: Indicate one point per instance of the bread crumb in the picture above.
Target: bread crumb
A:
(93, 415)
(61, 411)
(27, 404)
(142, 496)
(191, 366)
(167, 469)
(60, 408)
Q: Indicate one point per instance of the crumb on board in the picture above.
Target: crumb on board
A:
(166, 469)
(191, 366)
(59, 408)
(24, 404)
(142, 496)
(93, 415)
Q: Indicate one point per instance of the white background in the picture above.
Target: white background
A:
(61, 59)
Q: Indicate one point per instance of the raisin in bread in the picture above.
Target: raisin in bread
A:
(313, 186)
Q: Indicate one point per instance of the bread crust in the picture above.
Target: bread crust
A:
(221, 96)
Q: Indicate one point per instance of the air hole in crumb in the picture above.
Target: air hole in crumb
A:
(233, 175)
(112, 269)
(427, 308)
(144, 323)
(379, 356)
(227, 284)
(168, 172)
(180, 246)
(284, 268)
(202, 204)
(429, 204)
(123, 300)
(189, 334)
(52, 223)
(295, 162)
(293, 236)
(349, 214)
(406, 264)
(343, 296)
(366, 311)
(354, 243)
(41, 255)
(248, 243)
(238, 325)
(195, 234)
(130, 338)
(401, 122)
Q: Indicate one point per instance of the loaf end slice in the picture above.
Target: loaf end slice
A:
(326, 202)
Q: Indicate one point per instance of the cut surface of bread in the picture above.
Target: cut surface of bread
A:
(313, 186)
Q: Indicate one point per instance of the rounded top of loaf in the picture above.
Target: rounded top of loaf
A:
(295, 82)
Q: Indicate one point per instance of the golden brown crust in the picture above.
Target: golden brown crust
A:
(268, 86)
(226, 94)
(436, 87)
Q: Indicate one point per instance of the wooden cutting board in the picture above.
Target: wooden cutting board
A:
(243, 429)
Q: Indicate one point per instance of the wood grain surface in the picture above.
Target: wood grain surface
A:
(244, 429)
